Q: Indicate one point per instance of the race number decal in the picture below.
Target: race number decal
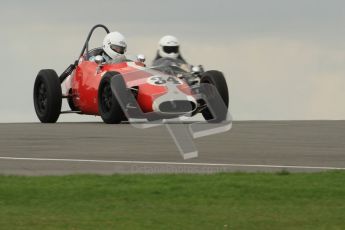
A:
(162, 80)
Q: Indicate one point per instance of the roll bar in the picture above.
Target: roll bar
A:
(85, 48)
(86, 45)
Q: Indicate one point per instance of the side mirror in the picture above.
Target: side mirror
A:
(141, 58)
(99, 59)
(196, 69)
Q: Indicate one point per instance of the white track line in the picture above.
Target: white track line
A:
(173, 163)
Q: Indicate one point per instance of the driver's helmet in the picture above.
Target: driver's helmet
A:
(168, 47)
(114, 45)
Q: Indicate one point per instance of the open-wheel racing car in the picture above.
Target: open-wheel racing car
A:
(120, 91)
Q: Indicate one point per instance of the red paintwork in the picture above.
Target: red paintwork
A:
(85, 83)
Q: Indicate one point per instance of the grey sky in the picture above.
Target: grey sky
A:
(282, 59)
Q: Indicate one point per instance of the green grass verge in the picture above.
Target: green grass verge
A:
(218, 201)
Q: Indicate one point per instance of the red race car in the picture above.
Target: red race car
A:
(129, 89)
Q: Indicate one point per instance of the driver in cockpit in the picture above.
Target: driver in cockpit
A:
(168, 47)
(114, 48)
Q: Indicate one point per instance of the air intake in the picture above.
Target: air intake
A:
(177, 106)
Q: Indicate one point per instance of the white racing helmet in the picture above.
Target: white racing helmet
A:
(114, 45)
(169, 47)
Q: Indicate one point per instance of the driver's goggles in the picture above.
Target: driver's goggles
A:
(170, 49)
(118, 49)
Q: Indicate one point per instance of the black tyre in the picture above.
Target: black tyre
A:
(108, 106)
(47, 96)
(70, 101)
(216, 79)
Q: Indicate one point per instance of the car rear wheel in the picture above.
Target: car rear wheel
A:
(70, 101)
(108, 106)
(47, 96)
(216, 79)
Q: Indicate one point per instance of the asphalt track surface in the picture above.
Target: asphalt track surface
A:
(68, 148)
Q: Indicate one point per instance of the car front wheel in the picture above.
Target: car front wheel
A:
(108, 106)
(216, 79)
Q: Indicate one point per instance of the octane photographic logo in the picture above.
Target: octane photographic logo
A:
(182, 129)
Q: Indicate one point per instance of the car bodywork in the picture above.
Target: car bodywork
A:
(152, 86)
